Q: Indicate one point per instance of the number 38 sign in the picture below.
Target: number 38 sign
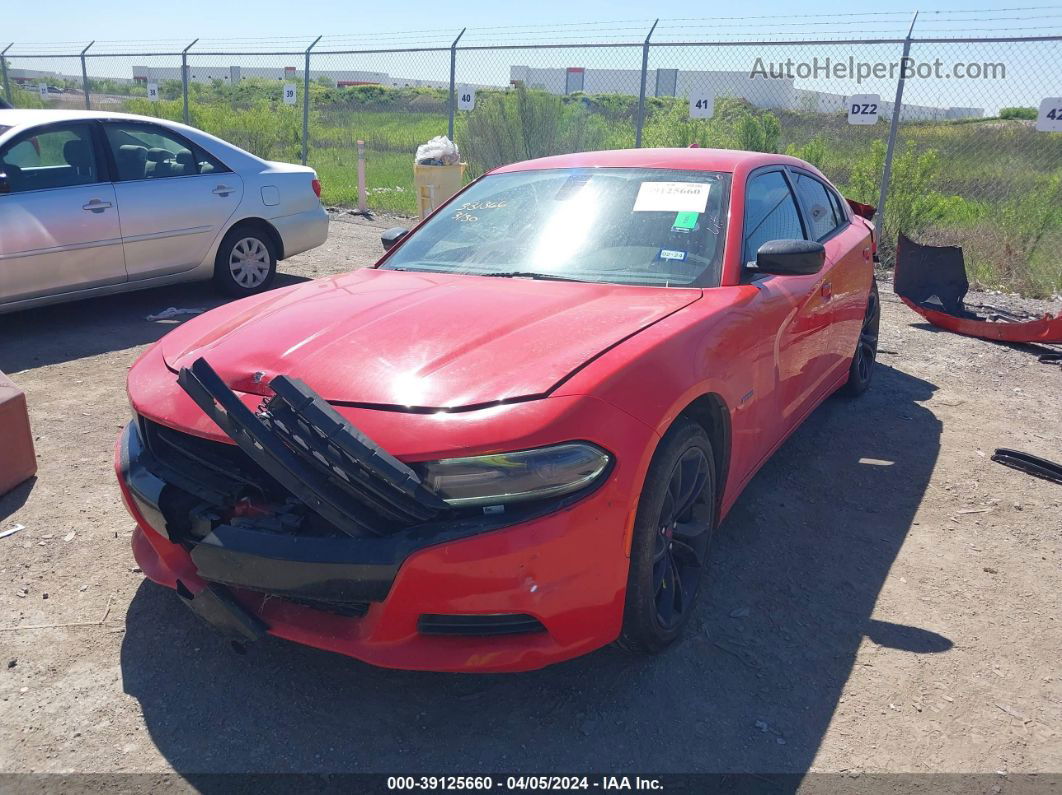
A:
(1049, 119)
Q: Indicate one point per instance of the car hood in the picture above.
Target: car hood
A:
(419, 340)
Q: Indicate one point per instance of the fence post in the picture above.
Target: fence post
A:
(306, 103)
(184, 78)
(84, 76)
(897, 107)
(640, 121)
(453, 84)
(3, 68)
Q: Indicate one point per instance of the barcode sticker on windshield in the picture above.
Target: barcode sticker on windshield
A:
(672, 197)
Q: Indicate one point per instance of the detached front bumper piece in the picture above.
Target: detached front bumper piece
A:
(932, 281)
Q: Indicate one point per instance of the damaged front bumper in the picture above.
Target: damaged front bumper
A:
(544, 582)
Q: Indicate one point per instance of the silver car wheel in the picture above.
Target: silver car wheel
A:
(249, 262)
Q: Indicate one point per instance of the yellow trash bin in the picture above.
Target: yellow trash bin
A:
(436, 184)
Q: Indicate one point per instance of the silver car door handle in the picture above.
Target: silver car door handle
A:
(96, 206)
(222, 190)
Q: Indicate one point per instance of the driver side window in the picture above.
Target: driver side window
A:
(770, 213)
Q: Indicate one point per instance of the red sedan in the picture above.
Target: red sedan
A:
(510, 441)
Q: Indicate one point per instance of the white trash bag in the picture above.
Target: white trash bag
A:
(439, 151)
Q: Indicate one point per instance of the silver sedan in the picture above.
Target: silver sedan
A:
(93, 203)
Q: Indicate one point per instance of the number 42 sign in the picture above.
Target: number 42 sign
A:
(1049, 119)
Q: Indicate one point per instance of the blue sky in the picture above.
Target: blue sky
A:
(75, 20)
(130, 26)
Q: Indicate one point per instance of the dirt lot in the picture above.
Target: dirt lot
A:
(883, 598)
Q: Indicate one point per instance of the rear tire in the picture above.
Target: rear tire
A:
(672, 532)
(861, 371)
(246, 262)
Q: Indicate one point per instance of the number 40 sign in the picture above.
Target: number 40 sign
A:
(466, 98)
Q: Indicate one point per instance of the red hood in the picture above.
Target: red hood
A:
(417, 339)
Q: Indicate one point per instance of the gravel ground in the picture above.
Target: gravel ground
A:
(882, 598)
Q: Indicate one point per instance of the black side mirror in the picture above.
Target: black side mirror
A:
(5, 184)
(392, 236)
(790, 257)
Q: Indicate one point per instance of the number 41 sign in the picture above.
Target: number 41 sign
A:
(702, 106)
(1049, 119)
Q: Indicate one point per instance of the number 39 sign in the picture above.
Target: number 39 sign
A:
(289, 93)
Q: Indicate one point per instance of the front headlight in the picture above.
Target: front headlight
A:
(516, 477)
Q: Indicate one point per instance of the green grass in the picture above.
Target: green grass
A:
(992, 186)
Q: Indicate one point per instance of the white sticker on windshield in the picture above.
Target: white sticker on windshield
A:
(672, 197)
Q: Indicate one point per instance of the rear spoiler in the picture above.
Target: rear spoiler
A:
(862, 210)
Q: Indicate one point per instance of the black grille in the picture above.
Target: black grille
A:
(479, 625)
(217, 471)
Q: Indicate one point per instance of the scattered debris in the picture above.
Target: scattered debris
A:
(1029, 464)
(172, 312)
(70, 536)
(1013, 712)
(102, 620)
(740, 612)
(12, 530)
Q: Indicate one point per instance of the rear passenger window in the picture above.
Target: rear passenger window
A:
(822, 212)
(770, 213)
(58, 157)
(144, 151)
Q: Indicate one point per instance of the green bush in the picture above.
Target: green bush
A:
(525, 124)
(1029, 114)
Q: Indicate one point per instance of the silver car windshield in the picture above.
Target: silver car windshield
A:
(615, 225)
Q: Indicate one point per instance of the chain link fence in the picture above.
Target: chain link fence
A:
(959, 160)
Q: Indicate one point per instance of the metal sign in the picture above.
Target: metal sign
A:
(466, 98)
(153, 91)
(289, 93)
(702, 105)
(864, 108)
(1049, 119)
(42, 89)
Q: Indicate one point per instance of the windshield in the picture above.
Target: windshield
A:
(618, 225)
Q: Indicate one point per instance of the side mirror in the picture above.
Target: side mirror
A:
(392, 236)
(790, 257)
(5, 184)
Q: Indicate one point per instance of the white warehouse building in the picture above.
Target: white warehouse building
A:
(780, 94)
(206, 73)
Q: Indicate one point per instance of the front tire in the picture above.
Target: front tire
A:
(861, 370)
(672, 532)
(246, 262)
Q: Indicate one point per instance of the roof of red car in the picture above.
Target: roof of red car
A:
(726, 160)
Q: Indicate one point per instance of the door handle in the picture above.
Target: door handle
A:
(826, 291)
(222, 190)
(96, 206)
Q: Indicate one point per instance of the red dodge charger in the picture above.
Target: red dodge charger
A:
(508, 443)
